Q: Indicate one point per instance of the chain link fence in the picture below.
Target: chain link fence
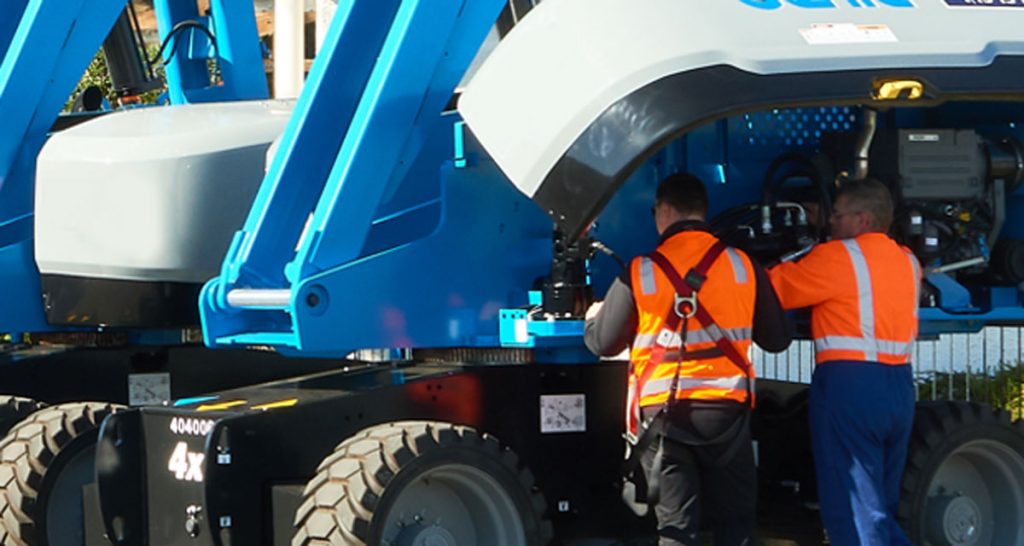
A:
(981, 367)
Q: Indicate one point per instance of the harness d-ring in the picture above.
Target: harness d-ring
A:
(685, 306)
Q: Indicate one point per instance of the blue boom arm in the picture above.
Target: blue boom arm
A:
(9, 23)
(360, 236)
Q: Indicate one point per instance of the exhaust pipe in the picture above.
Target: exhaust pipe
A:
(864, 144)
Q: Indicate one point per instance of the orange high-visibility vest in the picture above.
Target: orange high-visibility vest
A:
(863, 293)
(728, 294)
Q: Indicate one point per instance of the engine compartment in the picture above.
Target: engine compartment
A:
(954, 170)
(949, 187)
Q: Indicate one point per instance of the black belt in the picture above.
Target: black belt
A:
(702, 354)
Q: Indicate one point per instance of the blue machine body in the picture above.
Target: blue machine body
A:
(45, 47)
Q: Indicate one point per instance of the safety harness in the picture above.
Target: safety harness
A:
(684, 308)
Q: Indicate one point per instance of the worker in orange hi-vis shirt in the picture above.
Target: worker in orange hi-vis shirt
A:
(862, 288)
(689, 311)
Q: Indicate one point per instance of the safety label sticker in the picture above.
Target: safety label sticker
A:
(847, 33)
(985, 3)
(563, 413)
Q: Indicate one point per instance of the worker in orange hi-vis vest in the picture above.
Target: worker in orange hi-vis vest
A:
(690, 311)
(862, 288)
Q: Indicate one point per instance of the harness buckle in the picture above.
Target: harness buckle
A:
(685, 306)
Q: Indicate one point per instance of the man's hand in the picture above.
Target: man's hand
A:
(594, 309)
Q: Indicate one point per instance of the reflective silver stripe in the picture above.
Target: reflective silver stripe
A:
(645, 341)
(738, 269)
(712, 333)
(647, 284)
(632, 411)
(659, 386)
(732, 334)
(864, 294)
(870, 346)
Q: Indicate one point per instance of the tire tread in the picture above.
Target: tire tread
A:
(381, 452)
(26, 454)
(936, 424)
(14, 409)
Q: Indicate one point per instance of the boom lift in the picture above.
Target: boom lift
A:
(387, 219)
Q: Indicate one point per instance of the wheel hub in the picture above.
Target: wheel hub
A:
(425, 535)
(954, 521)
(454, 505)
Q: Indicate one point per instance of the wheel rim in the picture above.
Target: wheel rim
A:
(454, 505)
(976, 497)
(64, 512)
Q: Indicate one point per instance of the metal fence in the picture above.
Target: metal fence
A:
(984, 366)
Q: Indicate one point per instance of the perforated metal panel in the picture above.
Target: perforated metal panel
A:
(800, 127)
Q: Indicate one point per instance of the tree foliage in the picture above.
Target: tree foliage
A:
(97, 75)
(1002, 387)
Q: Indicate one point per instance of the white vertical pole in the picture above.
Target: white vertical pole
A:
(289, 57)
(324, 13)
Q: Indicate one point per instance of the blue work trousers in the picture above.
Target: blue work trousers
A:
(861, 416)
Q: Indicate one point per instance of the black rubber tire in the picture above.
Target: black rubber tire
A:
(32, 458)
(940, 430)
(15, 408)
(349, 499)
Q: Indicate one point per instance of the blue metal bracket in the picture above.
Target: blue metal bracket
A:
(953, 297)
(237, 51)
(517, 329)
(460, 161)
(956, 313)
(513, 330)
(554, 341)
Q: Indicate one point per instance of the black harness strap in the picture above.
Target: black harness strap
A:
(686, 289)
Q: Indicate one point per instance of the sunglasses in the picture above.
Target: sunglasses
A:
(838, 214)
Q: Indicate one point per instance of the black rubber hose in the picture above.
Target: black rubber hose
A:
(174, 32)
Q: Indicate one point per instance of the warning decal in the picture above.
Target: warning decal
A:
(847, 33)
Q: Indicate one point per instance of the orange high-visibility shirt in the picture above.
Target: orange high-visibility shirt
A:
(728, 294)
(863, 294)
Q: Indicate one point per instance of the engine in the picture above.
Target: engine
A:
(952, 195)
(949, 187)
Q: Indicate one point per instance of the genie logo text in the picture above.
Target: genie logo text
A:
(826, 4)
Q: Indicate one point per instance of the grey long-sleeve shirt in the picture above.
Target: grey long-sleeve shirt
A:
(613, 329)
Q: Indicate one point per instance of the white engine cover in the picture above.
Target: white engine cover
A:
(153, 194)
(570, 60)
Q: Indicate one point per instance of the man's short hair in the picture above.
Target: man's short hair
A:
(870, 196)
(683, 192)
